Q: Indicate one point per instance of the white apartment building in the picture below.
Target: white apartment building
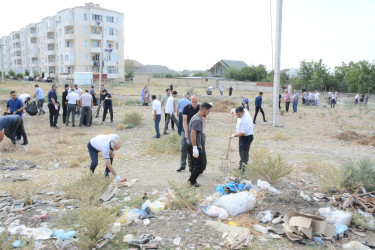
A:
(69, 42)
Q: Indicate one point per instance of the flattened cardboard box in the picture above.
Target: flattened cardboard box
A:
(298, 224)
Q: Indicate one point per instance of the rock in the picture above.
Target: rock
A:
(222, 244)
(217, 247)
(355, 245)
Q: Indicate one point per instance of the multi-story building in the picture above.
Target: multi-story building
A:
(71, 41)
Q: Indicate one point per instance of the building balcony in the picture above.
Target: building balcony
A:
(50, 29)
(69, 36)
(95, 36)
(50, 41)
(34, 64)
(110, 38)
(19, 57)
(17, 40)
(32, 35)
(50, 64)
(68, 23)
(110, 63)
(69, 50)
(50, 53)
(16, 49)
(96, 50)
(69, 62)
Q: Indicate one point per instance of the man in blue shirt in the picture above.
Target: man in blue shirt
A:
(182, 103)
(10, 125)
(53, 106)
(14, 104)
(258, 106)
(39, 94)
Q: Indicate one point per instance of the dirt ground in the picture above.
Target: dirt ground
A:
(310, 134)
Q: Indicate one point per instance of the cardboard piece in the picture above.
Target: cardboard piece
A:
(297, 225)
(111, 192)
(235, 237)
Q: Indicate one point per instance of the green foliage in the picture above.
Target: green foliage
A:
(19, 75)
(133, 117)
(132, 102)
(36, 73)
(360, 174)
(361, 221)
(330, 177)
(11, 73)
(185, 196)
(88, 188)
(200, 74)
(129, 125)
(91, 224)
(168, 76)
(6, 241)
(27, 73)
(129, 69)
(170, 145)
(129, 75)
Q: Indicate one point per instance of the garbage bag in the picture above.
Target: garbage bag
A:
(209, 92)
(336, 217)
(237, 203)
(31, 109)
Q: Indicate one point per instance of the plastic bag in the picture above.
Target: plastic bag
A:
(266, 186)
(237, 203)
(127, 218)
(31, 109)
(336, 217)
(215, 211)
(62, 235)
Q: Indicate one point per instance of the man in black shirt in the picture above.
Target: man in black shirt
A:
(53, 106)
(230, 91)
(188, 112)
(107, 102)
(64, 102)
(10, 125)
(100, 100)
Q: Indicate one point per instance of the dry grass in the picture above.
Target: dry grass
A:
(121, 126)
(330, 177)
(165, 145)
(8, 147)
(78, 133)
(35, 150)
(185, 196)
(74, 164)
(258, 155)
(62, 140)
(311, 166)
(21, 190)
(279, 136)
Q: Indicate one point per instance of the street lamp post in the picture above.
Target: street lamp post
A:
(1, 55)
(101, 61)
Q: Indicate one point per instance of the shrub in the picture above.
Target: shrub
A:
(361, 174)
(330, 176)
(132, 102)
(27, 73)
(129, 125)
(91, 224)
(21, 190)
(165, 145)
(134, 118)
(121, 126)
(282, 112)
(19, 75)
(185, 196)
(88, 188)
(74, 164)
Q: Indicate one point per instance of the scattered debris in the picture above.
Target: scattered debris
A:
(266, 186)
(237, 203)
(355, 245)
(336, 217)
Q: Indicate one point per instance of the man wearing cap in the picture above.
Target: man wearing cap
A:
(106, 144)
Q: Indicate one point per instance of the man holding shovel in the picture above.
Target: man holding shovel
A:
(244, 129)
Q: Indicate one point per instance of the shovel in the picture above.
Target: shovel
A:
(226, 164)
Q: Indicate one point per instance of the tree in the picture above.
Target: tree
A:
(232, 73)
(312, 75)
(129, 69)
(11, 73)
(19, 75)
(168, 75)
(200, 74)
(27, 73)
(36, 73)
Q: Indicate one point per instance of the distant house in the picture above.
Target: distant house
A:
(132, 65)
(219, 69)
(148, 71)
(291, 73)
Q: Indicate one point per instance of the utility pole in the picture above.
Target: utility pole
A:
(1, 54)
(276, 76)
(101, 61)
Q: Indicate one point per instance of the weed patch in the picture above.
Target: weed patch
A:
(132, 102)
(121, 126)
(165, 145)
(74, 164)
(185, 196)
(88, 188)
(134, 118)
(330, 176)
(6, 241)
(360, 174)
(279, 136)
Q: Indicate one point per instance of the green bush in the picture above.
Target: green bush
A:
(133, 117)
(6, 241)
(360, 174)
(132, 102)
(129, 125)
(185, 196)
(330, 177)
(19, 75)
(90, 223)
(270, 169)
(170, 145)
(88, 189)
(27, 73)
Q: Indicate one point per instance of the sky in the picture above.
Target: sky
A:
(195, 34)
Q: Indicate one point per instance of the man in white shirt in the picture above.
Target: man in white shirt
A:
(106, 144)
(156, 111)
(244, 129)
(79, 93)
(356, 99)
(86, 104)
(169, 111)
(25, 98)
(73, 102)
(329, 97)
(317, 96)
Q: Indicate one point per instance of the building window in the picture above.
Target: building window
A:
(112, 70)
(86, 57)
(84, 17)
(95, 44)
(85, 30)
(86, 44)
(95, 57)
(117, 46)
(69, 44)
(112, 32)
(66, 57)
(116, 20)
(96, 17)
(61, 59)
(110, 19)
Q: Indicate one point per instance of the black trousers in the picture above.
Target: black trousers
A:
(198, 165)
(94, 159)
(257, 108)
(287, 106)
(244, 146)
(106, 108)
(165, 119)
(17, 128)
(65, 107)
(53, 114)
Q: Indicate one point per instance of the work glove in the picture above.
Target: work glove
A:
(56, 108)
(233, 111)
(195, 152)
(118, 178)
(231, 136)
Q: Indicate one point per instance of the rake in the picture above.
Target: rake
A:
(226, 163)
